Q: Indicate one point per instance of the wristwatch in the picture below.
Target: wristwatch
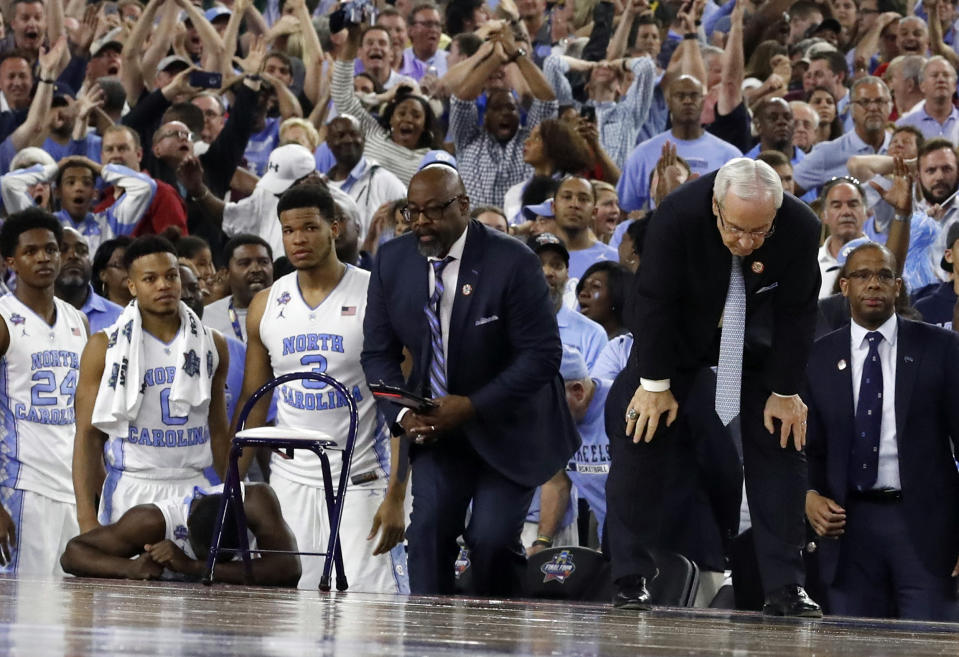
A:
(520, 52)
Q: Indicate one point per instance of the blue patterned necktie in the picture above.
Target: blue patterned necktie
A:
(729, 374)
(864, 460)
(437, 358)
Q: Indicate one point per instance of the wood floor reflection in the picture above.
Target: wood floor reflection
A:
(81, 617)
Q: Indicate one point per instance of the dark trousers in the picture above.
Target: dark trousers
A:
(447, 477)
(641, 477)
(880, 574)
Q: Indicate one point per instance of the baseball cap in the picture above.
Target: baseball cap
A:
(951, 238)
(287, 164)
(182, 63)
(573, 365)
(828, 25)
(111, 38)
(544, 209)
(849, 247)
(215, 12)
(543, 241)
(437, 157)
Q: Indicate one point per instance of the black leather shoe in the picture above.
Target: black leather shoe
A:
(631, 593)
(791, 600)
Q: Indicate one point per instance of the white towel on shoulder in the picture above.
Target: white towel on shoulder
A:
(121, 386)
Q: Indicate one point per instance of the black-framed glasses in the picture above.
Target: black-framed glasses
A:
(433, 212)
(738, 232)
(884, 276)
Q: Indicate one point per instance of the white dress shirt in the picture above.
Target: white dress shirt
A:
(888, 448)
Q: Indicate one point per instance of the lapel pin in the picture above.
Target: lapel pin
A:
(758, 267)
(907, 359)
(841, 365)
(467, 290)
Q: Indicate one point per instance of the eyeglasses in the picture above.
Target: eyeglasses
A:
(177, 134)
(434, 212)
(884, 276)
(739, 233)
(866, 103)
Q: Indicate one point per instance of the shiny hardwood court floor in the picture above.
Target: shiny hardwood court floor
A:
(76, 618)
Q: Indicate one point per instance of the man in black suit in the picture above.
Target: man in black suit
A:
(884, 489)
(728, 277)
(471, 306)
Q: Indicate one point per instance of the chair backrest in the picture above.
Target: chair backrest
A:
(569, 573)
(677, 581)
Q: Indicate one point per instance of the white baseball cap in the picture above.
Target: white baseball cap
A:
(287, 165)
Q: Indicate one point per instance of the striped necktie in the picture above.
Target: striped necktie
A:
(438, 387)
(729, 375)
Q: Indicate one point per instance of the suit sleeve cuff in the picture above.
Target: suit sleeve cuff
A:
(651, 385)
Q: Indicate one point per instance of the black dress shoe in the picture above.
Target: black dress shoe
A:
(631, 593)
(791, 600)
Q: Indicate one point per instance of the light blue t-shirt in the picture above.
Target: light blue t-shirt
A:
(260, 145)
(613, 358)
(589, 466)
(580, 261)
(578, 331)
(705, 154)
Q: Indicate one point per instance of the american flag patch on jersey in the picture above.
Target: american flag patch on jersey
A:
(75, 331)
(347, 311)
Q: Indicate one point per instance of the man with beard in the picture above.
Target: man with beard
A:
(250, 269)
(73, 283)
(938, 182)
(871, 103)
(575, 208)
(499, 425)
(365, 181)
(936, 116)
(491, 156)
(702, 151)
(775, 124)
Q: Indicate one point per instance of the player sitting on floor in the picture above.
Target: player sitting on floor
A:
(171, 540)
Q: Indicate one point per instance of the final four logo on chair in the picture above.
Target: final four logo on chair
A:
(462, 563)
(559, 568)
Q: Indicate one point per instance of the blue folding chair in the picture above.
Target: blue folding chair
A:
(287, 439)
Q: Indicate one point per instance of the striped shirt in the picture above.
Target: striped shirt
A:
(398, 160)
(489, 167)
(618, 122)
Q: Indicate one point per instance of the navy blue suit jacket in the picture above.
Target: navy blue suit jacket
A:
(504, 349)
(927, 417)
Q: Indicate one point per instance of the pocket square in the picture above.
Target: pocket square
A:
(486, 320)
(769, 287)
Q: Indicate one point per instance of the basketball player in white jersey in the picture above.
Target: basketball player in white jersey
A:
(160, 452)
(312, 320)
(170, 539)
(41, 339)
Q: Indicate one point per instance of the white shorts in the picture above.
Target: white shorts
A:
(123, 491)
(566, 537)
(43, 527)
(304, 509)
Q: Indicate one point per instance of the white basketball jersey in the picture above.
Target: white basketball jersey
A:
(160, 445)
(327, 339)
(38, 382)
